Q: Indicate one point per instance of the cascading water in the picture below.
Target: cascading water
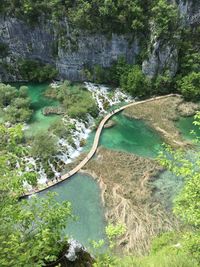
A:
(101, 95)
(80, 132)
(104, 98)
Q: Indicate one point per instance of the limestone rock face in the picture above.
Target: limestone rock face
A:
(71, 50)
(43, 42)
(163, 57)
(164, 54)
(190, 11)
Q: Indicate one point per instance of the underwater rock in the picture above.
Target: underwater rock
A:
(52, 110)
(109, 124)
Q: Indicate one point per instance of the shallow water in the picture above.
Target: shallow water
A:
(130, 135)
(186, 125)
(84, 194)
(167, 186)
(38, 122)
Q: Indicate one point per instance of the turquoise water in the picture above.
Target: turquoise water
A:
(133, 136)
(167, 186)
(39, 122)
(185, 125)
(84, 194)
(130, 135)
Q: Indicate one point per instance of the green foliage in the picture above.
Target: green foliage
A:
(165, 240)
(95, 16)
(11, 138)
(189, 57)
(15, 104)
(158, 260)
(189, 86)
(31, 232)
(165, 18)
(134, 82)
(186, 205)
(113, 232)
(163, 84)
(44, 146)
(110, 75)
(7, 94)
(36, 71)
(190, 62)
(3, 50)
(23, 91)
(76, 101)
(58, 128)
(108, 16)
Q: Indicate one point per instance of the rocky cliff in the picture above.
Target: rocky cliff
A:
(164, 53)
(71, 52)
(43, 43)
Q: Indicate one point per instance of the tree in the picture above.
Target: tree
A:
(163, 84)
(189, 86)
(44, 146)
(134, 82)
(31, 232)
(15, 104)
(7, 94)
(23, 91)
(165, 18)
(187, 203)
(36, 71)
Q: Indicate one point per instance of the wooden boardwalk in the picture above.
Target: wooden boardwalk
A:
(94, 146)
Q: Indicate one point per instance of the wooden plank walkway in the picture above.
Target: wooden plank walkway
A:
(94, 146)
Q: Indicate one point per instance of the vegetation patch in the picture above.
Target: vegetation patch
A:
(161, 115)
(125, 181)
(14, 104)
(76, 101)
(36, 71)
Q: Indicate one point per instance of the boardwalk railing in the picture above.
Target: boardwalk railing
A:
(94, 146)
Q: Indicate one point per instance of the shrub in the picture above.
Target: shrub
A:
(15, 103)
(166, 18)
(163, 84)
(44, 146)
(134, 82)
(77, 101)
(3, 50)
(189, 86)
(36, 71)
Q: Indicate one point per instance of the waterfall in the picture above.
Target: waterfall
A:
(104, 95)
(81, 132)
(104, 98)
